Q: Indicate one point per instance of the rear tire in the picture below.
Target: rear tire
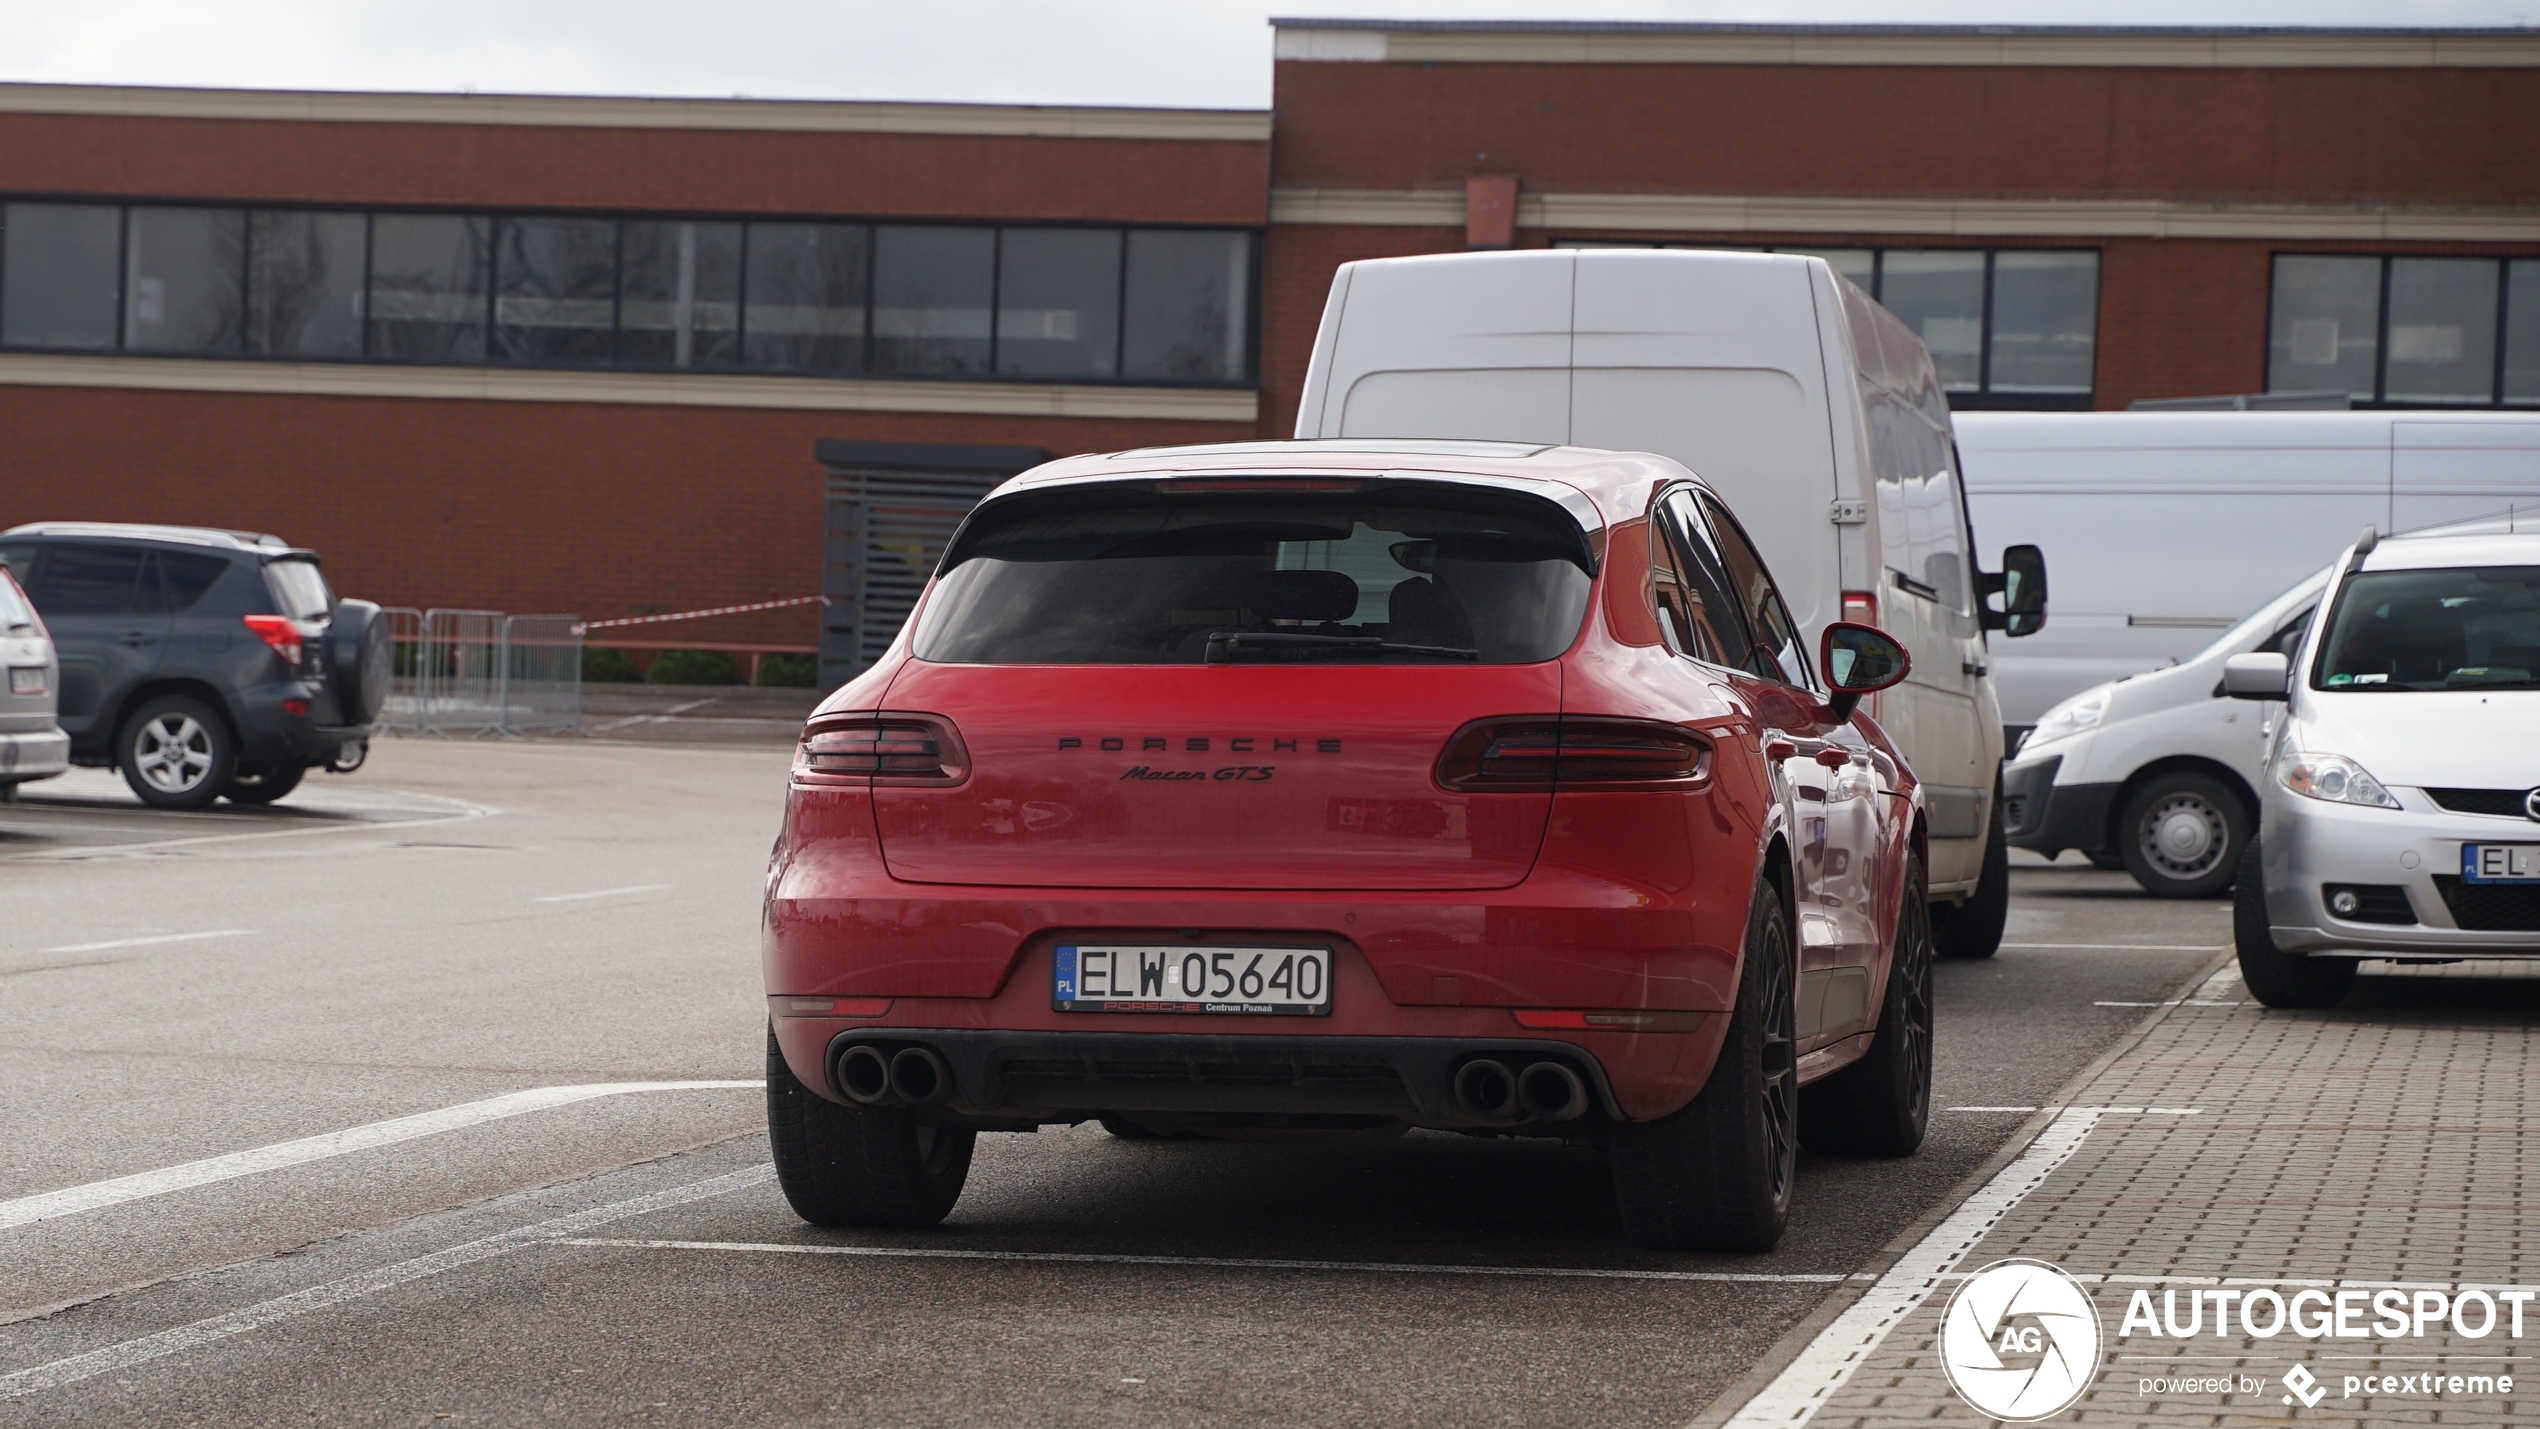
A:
(2181, 835)
(1881, 1104)
(176, 752)
(263, 786)
(860, 1166)
(2275, 977)
(1718, 1175)
(1973, 929)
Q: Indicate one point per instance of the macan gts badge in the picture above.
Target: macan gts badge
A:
(1496, 793)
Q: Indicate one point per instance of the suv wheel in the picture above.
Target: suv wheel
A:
(176, 753)
(1718, 1174)
(860, 1166)
(1881, 1104)
(263, 786)
(2275, 977)
(2181, 835)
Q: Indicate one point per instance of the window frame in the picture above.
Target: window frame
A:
(2380, 399)
(1249, 379)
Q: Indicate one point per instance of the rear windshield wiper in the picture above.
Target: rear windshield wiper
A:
(1223, 644)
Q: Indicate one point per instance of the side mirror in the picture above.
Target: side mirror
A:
(2263, 675)
(2022, 585)
(1859, 660)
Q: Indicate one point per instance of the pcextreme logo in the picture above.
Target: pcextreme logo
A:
(2020, 1340)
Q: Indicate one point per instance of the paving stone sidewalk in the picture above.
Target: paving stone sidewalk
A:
(2387, 1144)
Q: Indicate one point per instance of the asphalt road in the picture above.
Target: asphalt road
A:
(460, 922)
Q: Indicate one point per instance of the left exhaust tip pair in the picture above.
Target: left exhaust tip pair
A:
(1488, 1089)
(911, 1076)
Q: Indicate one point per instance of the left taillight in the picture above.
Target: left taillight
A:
(278, 631)
(885, 748)
(1524, 755)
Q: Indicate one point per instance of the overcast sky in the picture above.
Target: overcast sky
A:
(1176, 52)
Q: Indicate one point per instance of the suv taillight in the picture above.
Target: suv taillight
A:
(1526, 755)
(279, 632)
(886, 748)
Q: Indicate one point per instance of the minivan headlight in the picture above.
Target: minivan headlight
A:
(2082, 711)
(2333, 778)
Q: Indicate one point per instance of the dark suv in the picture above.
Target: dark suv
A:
(202, 663)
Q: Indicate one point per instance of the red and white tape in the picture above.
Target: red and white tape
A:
(591, 625)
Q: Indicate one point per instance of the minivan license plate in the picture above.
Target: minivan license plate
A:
(1111, 977)
(2500, 863)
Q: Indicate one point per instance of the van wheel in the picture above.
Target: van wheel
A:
(2275, 977)
(1718, 1174)
(2181, 835)
(1973, 929)
(860, 1166)
(176, 753)
(1881, 1104)
(263, 786)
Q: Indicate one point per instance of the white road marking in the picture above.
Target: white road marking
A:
(600, 893)
(1809, 1381)
(1221, 1262)
(465, 811)
(2126, 947)
(2105, 1110)
(72, 1370)
(148, 942)
(2174, 1002)
(96, 1195)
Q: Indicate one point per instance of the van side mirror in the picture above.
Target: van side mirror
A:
(2022, 585)
(2261, 675)
(1859, 660)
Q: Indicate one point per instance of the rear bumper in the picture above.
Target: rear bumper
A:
(2046, 817)
(35, 754)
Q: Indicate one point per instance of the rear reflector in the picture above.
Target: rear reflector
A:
(1522, 755)
(278, 632)
(837, 1006)
(1609, 1021)
(885, 748)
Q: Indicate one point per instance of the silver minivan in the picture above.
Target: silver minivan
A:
(32, 745)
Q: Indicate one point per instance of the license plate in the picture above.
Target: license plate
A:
(26, 679)
(2500, 863)
(1271, 982)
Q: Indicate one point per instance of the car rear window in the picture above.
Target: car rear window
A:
(299, 589)
(2467, 627)
(16, 616)
(1404, 573)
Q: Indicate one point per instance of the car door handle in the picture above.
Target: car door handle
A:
(1974, 667)
(139, 638)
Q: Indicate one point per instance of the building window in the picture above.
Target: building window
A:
(428, 286)
(58, 274)
(185, 279)
(2006, 327)
(2437, 332)
(942, 301)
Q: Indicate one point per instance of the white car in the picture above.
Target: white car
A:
(2401, 807)
(2156, 773)
(32, 745)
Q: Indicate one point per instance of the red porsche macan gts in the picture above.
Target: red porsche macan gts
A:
(1326, 785)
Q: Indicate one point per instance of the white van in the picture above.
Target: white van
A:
(1809, 407)
(2165, 526)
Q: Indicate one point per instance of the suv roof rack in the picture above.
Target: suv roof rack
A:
(188, 535)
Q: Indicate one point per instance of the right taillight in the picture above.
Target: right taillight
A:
(886, 748)
(1531, 755)
(279, 632)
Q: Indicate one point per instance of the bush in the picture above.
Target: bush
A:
(693, 667)
(604, 665)
(795, 672)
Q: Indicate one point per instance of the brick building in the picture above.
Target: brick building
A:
(617, 356)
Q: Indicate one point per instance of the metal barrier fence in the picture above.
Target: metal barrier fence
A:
(542, 673)
(479, 672)
(403, 712)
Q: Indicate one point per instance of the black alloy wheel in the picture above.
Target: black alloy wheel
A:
(1881, 1104)
(1719, 1174)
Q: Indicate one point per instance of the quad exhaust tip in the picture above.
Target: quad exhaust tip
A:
(1486, 1089)
(1550, 1091)
(912, 1076)
(864, 1074)
(919, 1076)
